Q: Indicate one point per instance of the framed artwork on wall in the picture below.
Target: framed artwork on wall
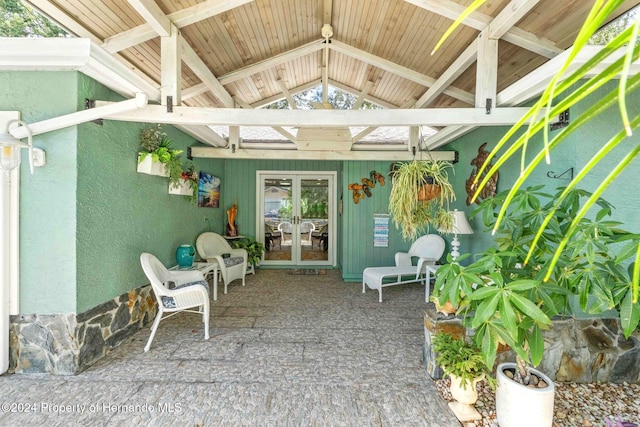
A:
(208, 191)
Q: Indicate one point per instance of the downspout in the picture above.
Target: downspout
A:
(8, 251)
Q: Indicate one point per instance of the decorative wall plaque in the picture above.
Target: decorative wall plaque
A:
(491, 187)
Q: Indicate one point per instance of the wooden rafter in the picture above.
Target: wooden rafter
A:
(404, 72)
(278, 129)
(480, 21)
(181, 18)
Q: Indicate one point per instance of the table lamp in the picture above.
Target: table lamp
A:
(460, 225)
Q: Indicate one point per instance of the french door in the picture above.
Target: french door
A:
(296, 218)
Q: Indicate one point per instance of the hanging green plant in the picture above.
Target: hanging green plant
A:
(410, 214)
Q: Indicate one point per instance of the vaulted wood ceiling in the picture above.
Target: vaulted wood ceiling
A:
(247, 53)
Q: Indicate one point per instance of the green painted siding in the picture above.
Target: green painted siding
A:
(358, 251)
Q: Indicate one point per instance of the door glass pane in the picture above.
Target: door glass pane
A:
(314, 222)
(278, 218)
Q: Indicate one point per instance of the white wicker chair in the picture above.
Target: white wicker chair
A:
(285, 228)
(175, 291)
(211, 246)
(306, 230)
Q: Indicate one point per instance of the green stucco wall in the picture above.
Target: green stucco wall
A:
(122, 213)
(575, 152)
(87, 215)
(48, 197)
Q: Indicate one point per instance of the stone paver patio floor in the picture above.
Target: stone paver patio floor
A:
(286, 350)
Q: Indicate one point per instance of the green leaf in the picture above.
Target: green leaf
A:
(530, 309)
(522, 285)
(629, 314)
(485, 310)
(484, 292)
(536, 346)
(508, 315)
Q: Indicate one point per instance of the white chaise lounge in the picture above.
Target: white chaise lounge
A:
(428, 250)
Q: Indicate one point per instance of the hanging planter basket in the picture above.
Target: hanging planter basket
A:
(428, 192)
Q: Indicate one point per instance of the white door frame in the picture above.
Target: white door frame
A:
(332, 203)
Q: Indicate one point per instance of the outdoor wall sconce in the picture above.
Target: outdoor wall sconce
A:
(11, 146)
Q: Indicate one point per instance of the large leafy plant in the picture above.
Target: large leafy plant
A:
(508, 301)
(255, 250)
(564, 91)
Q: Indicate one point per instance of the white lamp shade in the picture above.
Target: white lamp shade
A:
(460, 223)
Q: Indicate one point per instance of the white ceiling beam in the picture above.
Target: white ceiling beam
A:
(278, 97)
(79, 117)
(509, 17)
(197, 65)
(181, 18)
(154, 16)
(361, 97)
(399, 70)
(355, 92)
(203, 134)
(324, 118)
(364, 132)
(446, 135)
(170, 66)
(272, 61)
(278, 129)
(194, 91)
(462, 62)
(479, 21)
(360, 135)
(173, 46)
(285, 91)
(284, 154)
(486, 71)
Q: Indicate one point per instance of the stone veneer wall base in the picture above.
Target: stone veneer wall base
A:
(576, 350)
(66, 344)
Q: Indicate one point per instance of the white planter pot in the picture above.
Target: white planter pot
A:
(150, 167)
(183, 188)
(518, 405)
(467, 395)
(465, 398)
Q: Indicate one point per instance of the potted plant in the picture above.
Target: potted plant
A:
(420, 196)
(157, 157)
(255, 250)
(463, 363)
(505, 299)
(187, 184)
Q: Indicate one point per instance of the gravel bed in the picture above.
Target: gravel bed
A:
(575, 405)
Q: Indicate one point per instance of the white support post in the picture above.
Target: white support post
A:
(170, 53)
(8, 249)
(487, 70)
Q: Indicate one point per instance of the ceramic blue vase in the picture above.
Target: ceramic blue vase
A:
(185, 255)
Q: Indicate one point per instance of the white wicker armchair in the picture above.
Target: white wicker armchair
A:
(211, 247)
(175, 291)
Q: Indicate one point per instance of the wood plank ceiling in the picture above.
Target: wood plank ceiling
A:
(246, 53)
